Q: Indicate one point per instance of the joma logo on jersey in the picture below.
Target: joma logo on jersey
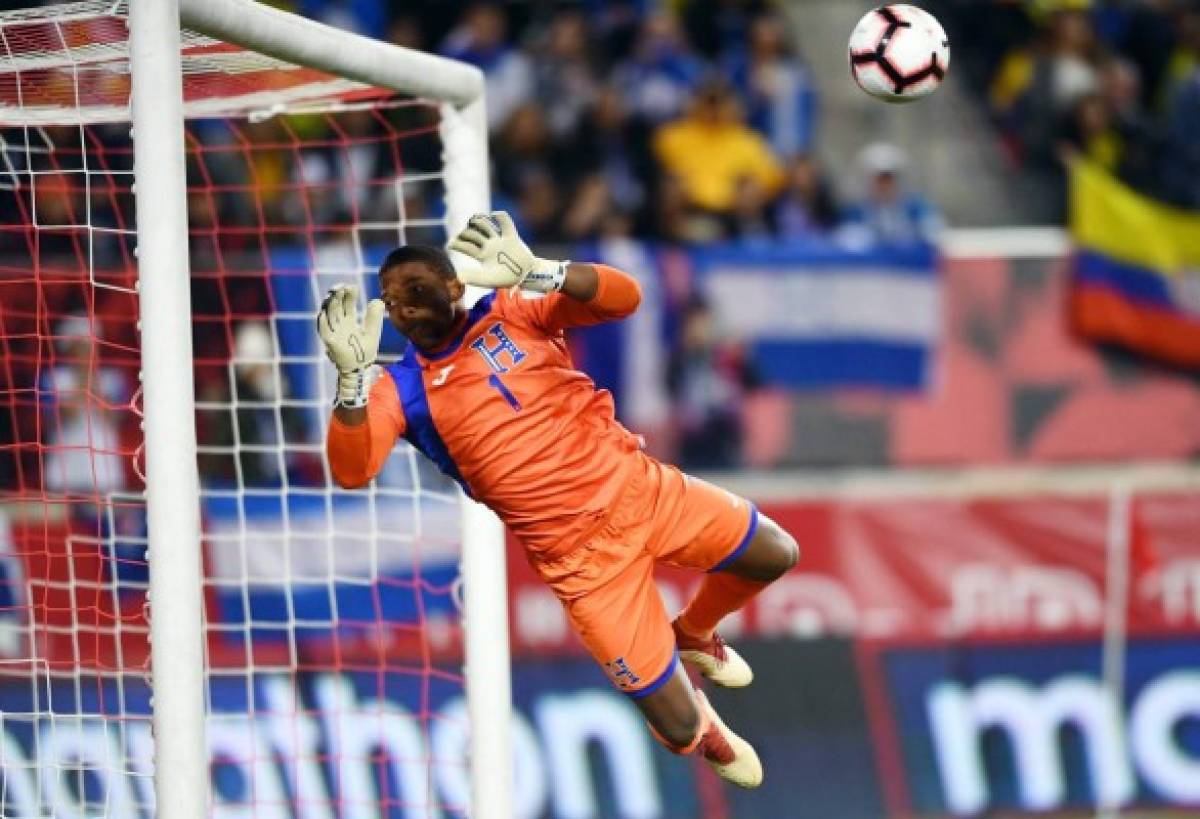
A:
(621, 674)
(504, 344)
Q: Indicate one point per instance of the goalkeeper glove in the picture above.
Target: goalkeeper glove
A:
(350, 345)
(504, 259)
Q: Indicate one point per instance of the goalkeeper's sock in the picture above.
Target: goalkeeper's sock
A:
(720, 594)
(684, 750)
(707, 739)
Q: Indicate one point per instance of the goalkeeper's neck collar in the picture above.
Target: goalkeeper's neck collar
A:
(466, 321)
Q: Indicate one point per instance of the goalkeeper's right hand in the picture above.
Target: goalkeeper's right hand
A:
(350, 345)
(504, 259)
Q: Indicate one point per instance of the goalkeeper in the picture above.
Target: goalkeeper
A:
(491, 396)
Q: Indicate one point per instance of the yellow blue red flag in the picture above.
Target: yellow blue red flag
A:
(1136, 269)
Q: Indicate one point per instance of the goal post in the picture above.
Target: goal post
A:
(275, 156)
(460, 88)
(172, 479)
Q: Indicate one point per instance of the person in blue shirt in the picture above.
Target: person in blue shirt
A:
(774, 87)
(888, 213)
(658, 79)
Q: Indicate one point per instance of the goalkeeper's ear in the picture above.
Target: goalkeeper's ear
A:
(457, 288)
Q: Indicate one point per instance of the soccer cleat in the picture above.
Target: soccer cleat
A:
(729, 755)
(713, 658)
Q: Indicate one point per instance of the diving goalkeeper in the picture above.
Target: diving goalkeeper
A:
(491, 396)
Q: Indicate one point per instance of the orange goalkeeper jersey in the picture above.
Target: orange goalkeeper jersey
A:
(504, 412)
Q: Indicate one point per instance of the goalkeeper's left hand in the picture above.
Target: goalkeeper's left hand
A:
(350, 344)
(504, 259)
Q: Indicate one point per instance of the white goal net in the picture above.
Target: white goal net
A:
(331, 622)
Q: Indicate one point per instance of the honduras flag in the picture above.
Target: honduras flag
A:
(819, 316)
(1136, 278)
(314, 566)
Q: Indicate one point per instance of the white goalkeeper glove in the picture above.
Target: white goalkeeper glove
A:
(504, 259)
(350, 345)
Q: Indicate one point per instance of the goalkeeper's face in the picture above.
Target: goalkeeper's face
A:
(422, 304)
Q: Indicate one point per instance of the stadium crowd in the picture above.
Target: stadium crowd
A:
(1115, 82)
(684, 122)
(689, 125)
(688, 122)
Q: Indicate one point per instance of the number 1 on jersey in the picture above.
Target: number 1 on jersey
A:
(495, 381)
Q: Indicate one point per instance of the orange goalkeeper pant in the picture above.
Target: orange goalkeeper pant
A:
(607, 584)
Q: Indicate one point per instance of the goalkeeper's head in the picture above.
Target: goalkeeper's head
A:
(422, 294)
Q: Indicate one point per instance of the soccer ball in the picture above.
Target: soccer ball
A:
(899, 53)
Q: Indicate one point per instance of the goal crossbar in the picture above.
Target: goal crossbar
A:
(342, 53)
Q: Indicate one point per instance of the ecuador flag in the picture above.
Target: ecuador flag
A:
(1136, 269)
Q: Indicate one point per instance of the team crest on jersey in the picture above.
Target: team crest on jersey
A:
(621, 673)
(502, 346)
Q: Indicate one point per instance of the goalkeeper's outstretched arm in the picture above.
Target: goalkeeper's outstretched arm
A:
(360, 439)
(361, 432)
(594, 293)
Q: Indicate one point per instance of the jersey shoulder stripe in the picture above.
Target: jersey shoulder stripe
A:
(420, 429)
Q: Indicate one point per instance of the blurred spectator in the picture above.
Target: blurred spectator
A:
(368, 17)
(712, 151)
(1109, 129)
(252, 152)
(749, 221)
(1184, 58)
(1183, 138)
(1091, 133)
(588, 209)
(1141, 140)
(1070, 62)
(481, 39)
(718, 26)
(806, 206)
(539, 205)
(662, 72)
(359, 162)
(1148, 38)
(522, 147)
(774, 86)
(82, 438)
(265, 424)
(340, 182)
(13, 605)
(57, 204)
(670, 217)
(707, 379)
(1104, 80)
(1036, 87)
(888, 213)
(565, 78)
(405, 31)
(263, 418)
(528, 171)
(616, 147)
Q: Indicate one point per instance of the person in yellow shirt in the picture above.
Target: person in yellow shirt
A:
(712, 152)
